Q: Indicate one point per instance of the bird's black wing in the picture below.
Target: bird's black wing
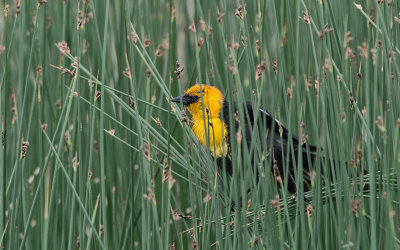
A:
(281, 130)
(270, 122)
(278, 140)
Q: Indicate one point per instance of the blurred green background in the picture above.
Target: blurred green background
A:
(94, 156)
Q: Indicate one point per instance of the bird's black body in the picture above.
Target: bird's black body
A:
(277, 137)
(275, 140)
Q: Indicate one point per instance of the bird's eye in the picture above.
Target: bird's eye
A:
(203, 91)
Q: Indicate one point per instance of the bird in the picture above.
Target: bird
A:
(210, 118)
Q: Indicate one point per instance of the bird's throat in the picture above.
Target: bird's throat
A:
(215, 130)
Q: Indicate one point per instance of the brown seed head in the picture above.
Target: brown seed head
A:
(178, 70)
(316, 85)
(239, 137)
(309, 210)
(88, 16)
(262, 66)
(289, 93)
(275, 203)
(305, 17)
(275, 65)
(364, 111)
(202, 25)
(134, 38)
(90, 173)
(355, 205)
(359, 155)
(131, 103)
(258, 74)
(379, 123)
(207, 198)
(127, 73)
(363, 50)
(200, 42)
(309, 83)
(350, 54)
(159, 52)
(146, 42)
(98, 94)
(347, 38)
(63, 47)
(80, 19)
(359, 75)
(148, 73)
(192, 27)
(241, 11)
(351, 99)
(40, 2)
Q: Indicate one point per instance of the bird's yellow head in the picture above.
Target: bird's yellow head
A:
(212, 101)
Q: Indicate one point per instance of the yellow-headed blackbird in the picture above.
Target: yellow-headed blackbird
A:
(215, 110)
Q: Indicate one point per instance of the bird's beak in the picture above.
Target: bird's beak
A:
(185, 99)
(176, 99)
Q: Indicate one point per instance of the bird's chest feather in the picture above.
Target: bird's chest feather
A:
(215, 129)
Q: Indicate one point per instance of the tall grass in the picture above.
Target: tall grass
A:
(95, 156)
